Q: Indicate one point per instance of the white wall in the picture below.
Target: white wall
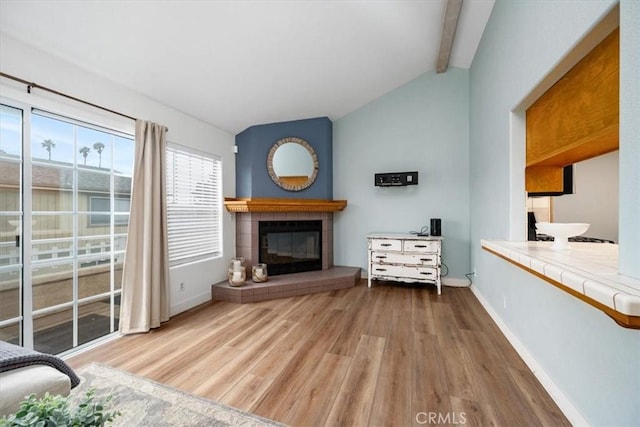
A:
(35, 65)
(592, 362)
(421, 126)
(595, 197)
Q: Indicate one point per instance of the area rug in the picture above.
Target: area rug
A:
(143, 402)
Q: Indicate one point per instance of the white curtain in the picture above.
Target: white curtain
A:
(145, 277)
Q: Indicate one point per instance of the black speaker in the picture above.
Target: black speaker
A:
(436, 227)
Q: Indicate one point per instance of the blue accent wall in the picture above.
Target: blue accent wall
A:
(254, 143)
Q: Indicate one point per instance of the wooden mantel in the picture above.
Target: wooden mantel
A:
(283, 205)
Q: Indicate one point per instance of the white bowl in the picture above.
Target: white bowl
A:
(561, 232)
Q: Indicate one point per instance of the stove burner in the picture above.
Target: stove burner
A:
(582, 239)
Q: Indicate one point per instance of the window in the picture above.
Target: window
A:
(100, 204)
(194, 205)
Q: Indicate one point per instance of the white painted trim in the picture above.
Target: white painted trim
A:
(189, 303)
(563, 402)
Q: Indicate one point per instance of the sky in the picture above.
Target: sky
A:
(68, 138)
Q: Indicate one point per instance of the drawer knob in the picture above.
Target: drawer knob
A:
(381, 269)
(425, 259)
(380, 256)
(385, 244)
(426, 273)
(420, 246)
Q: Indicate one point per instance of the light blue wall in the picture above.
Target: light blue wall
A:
(630, 138)
(421, 126)
(594, 362)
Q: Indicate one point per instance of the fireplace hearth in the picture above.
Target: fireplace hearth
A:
(278, 213)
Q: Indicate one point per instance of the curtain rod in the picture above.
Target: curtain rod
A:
(32, 85)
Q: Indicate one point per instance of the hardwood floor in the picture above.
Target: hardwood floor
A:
(391, 355)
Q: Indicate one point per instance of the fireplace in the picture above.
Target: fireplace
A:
(249, 243)
(310, 241)
(290, 246)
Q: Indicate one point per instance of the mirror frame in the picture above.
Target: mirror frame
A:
(274, 176)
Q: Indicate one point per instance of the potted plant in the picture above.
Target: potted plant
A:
(54, 411)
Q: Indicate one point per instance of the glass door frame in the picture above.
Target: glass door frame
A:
(26, 313)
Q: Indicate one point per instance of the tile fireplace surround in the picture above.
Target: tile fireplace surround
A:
(247, 239)
(248, 215)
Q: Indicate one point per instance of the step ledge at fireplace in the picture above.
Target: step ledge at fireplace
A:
(282, 205)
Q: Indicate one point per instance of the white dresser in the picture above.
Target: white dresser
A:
(405, 257)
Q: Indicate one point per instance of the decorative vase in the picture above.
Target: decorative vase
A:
(237, 272)
(259, 273)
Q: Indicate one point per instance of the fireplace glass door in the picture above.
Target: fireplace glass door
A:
(290, 246)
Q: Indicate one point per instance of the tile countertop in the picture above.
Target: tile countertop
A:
(588, 269)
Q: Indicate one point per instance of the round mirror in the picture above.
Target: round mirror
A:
(292, 164)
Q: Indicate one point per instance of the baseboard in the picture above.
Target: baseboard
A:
(568, 409)
(190, 303)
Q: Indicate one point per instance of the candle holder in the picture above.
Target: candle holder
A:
(237, 272)
(259, 273)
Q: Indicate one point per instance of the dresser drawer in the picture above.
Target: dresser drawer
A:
(421, 246)
(415, 272)
(400, 258)
(386, 245)
(404, 257)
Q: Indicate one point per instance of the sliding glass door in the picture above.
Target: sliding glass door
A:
(11, 267)
(74, 210)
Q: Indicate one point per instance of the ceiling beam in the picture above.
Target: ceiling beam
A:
(449, 25)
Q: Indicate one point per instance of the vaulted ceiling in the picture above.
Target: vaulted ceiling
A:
(235, 64)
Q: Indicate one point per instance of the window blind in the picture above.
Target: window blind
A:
(194, 205)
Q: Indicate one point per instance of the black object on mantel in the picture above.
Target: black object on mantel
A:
(395, 179)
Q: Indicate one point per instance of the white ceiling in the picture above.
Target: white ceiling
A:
(235, 64)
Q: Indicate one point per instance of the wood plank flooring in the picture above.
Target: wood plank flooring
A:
(392, 355)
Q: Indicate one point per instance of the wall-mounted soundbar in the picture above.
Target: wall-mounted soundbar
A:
(395, 179)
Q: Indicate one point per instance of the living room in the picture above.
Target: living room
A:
(457, 130)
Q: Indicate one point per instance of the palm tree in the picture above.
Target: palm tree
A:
(48, 145)
(99, 146)
(85, 152)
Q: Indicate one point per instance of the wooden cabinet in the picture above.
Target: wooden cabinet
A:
(576, 119)
(405, 258)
